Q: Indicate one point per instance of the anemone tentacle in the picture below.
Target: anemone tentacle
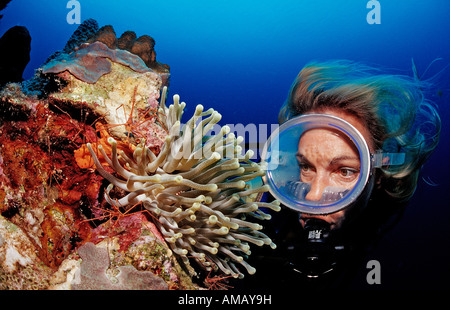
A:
(196, 189)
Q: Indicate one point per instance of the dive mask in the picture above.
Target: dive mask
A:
(283, 171)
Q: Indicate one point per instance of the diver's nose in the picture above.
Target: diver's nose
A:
(317, 189)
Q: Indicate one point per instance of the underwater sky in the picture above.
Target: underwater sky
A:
(240, 58)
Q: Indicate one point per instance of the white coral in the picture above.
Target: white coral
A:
(197, 188)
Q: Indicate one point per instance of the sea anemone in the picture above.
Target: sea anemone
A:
(198, 189)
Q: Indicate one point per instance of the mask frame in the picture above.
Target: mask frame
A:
(279, 158)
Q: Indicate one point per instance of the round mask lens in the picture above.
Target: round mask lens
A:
(291, 164)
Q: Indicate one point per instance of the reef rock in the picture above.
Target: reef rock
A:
(116, 263)
(89, 62)
(53, 215)
(93, 273)
(89, 32)
(114, 85)
(19, 266)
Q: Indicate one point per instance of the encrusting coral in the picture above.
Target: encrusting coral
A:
(92, 273)
(89, 62)
(197, 190)
(124, 95)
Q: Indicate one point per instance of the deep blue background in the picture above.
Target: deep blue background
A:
(240, 57)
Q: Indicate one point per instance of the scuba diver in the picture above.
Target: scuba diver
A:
(343, 163)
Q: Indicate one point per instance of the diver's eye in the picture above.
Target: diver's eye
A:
(303, 166)
(306, 172)
(348, 173)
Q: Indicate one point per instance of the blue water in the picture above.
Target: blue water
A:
(240, 57)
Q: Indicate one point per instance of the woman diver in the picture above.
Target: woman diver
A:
(345, 159)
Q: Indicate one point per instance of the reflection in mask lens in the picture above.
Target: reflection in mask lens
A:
(299, 190)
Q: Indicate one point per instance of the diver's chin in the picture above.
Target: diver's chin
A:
(335, 220)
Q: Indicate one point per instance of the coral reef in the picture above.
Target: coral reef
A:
(50, 204)
(41, 187)
(89, 32)
(102, 188)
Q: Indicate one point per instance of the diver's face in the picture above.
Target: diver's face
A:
(329, 158)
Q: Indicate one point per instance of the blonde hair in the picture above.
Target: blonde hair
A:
(392, 107)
